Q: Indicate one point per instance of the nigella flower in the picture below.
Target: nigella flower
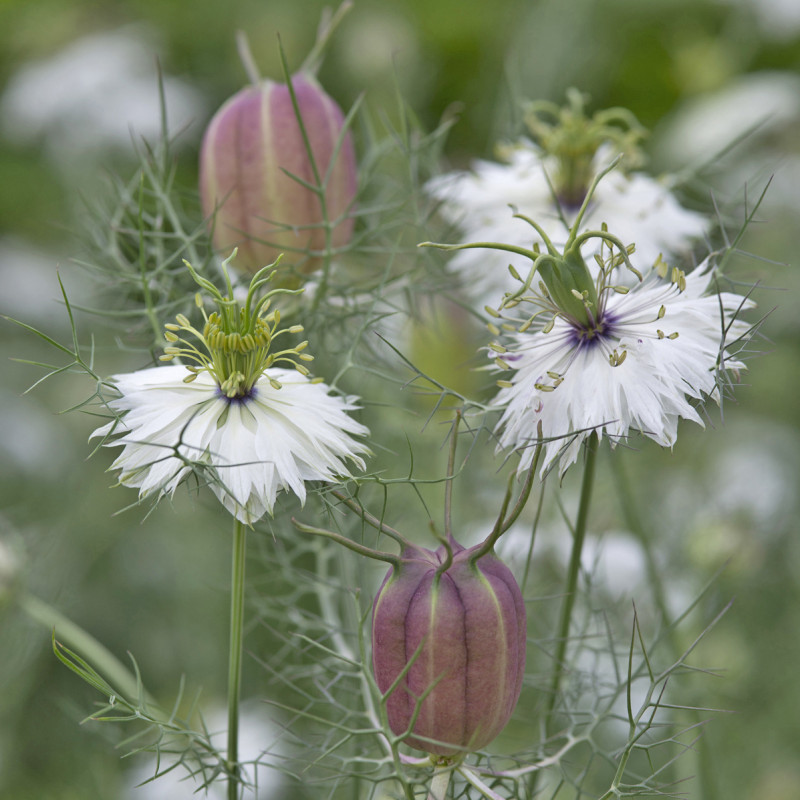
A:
(639, 364)
(241, 424)
(548, 181)
(596, 356)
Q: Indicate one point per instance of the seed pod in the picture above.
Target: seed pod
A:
(463, 629)
(249, 146)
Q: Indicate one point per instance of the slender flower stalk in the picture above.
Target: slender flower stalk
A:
(235, 654)
(573, 572)
(440, 785)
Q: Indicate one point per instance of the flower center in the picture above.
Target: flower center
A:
(572, 139)
(236, 344)
(591, 333)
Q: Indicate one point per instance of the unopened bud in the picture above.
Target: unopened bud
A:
(251, 144)
(463, 630)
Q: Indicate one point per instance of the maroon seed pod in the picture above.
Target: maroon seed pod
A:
(463, 629)
(249, 146)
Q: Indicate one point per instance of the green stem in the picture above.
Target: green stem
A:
(75, 637)
(235, 655)
(327, 26)
(440, 784)
(573, 572)
(246, 57)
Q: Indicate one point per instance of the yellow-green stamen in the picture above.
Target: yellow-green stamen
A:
(236, 343)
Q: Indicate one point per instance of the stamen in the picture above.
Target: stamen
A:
(234, 346)
(616, 358)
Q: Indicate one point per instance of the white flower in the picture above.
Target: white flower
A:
(91, 94)
(648, 354)
(637, 208)
(252, 446)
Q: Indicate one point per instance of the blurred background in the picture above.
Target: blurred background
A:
(78, 85)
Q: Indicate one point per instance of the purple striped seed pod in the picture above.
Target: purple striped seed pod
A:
(249, 146)
(468, 624)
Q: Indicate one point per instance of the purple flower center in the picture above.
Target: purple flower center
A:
(238, 399)
(591, 333)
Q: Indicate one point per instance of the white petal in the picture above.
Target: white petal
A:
(253, 448)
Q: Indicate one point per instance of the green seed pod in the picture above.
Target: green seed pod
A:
(250, 145)
(463, 630)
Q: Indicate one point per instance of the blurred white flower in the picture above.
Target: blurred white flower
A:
(252, 446)
(637, 208)
(778, 19)
(10, 561)
(757, 104)
(259, 746)
(638, 364)
(93, 94)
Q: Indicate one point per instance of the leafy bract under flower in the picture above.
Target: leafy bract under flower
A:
(650, 353)
(246, 448)
(636, 207)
